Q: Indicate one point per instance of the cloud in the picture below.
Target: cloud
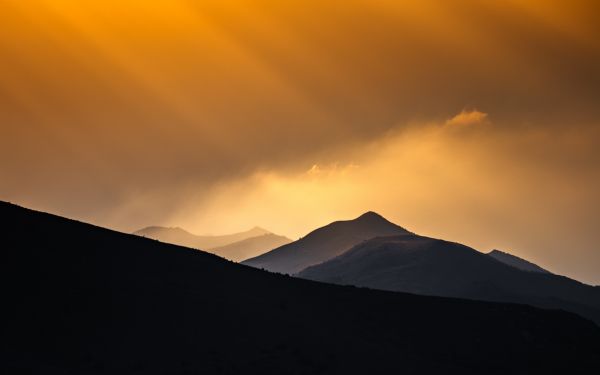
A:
(468, 118)
(106, 118)
(109, 128)
(314, 170)
(333, 169)
(488, 189)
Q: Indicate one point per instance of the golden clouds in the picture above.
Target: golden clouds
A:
(131, 112)
(487, 187)
(468, 118)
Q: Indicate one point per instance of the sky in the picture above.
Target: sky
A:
(470, 120)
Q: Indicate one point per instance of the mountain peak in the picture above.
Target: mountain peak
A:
(371, 217)
(370, 214)
(260, 230)
(325, 243)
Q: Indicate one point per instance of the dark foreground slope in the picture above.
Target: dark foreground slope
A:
(430, 266)
(325, 243)
(85, 300)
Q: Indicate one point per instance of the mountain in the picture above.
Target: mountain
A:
(236, 246)
(325, 243)
(515, 261)
(250, 247)
(79, 299)
(182, 237)
(422, 265)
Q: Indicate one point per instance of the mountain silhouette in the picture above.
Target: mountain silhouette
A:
(179, 236)
(422, 265)
(80, 299)
(515, 261)
(325, 243)
(250, 247)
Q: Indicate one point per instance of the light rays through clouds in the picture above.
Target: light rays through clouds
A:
(466, 119)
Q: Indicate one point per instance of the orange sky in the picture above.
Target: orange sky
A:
(471, 120)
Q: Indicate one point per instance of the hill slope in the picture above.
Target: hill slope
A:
(429, 266)
(515, 261)
(325, 243)
(179, 236)
(250, 247)
(82, 299)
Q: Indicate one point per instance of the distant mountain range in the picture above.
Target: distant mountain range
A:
(372, 252)
(325, 243)
(250, 247)
(82, 299)
(179, 236)
(236, 246)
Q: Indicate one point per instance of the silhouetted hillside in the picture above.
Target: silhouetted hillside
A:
(182, 237)
(422, 265)
(515, 261)
(325, 243)
(250, 247)
(80, 299)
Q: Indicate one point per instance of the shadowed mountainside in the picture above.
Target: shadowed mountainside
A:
(179, 236)
(428, 266)
(325, 243)
(250, 247)
(515, 261)
(83, 299)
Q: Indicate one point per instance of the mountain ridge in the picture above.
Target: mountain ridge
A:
(515, 261)
(429, 266)
(182, 237)
(250, 247)
(85, 299)
(324, 243)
